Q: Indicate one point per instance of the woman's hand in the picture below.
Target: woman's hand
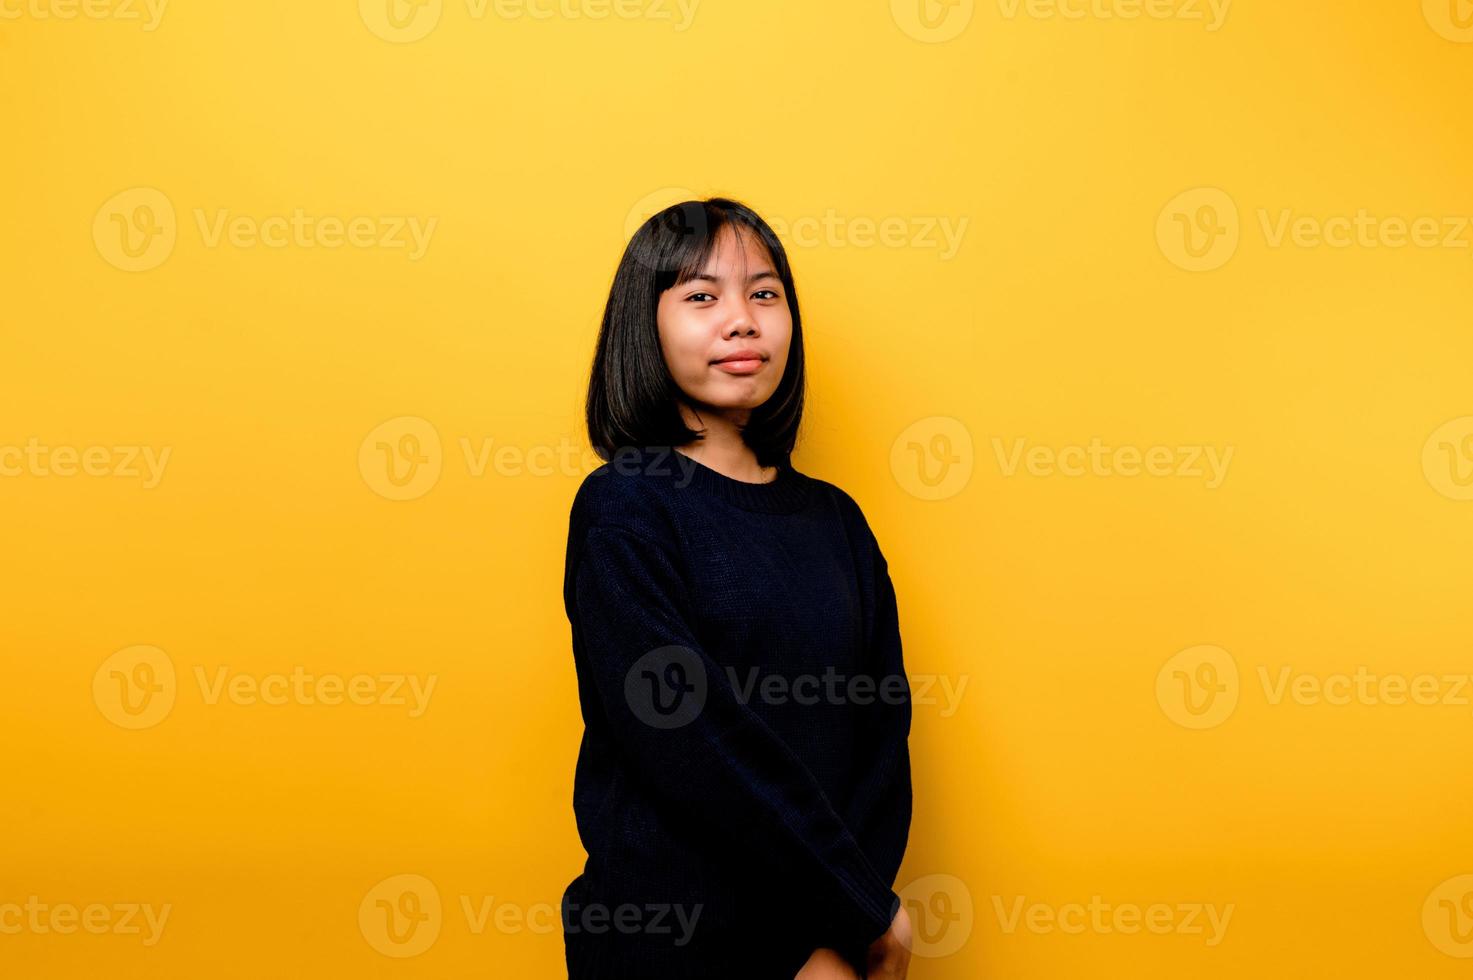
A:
(889, 956)
(826, 964)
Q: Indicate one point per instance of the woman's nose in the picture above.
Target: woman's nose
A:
(742, 321)
(742, 327)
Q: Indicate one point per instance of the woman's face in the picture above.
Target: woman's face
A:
(737, 304)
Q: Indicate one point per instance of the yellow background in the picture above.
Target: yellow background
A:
(1063, 316)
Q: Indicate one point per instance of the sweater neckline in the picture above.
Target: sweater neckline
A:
(786, 493)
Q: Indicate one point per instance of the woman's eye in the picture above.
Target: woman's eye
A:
(770, 293)
(697, 296)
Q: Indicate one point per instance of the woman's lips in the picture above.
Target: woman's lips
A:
(745, 366)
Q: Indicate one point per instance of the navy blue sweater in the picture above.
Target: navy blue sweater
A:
(743, 783)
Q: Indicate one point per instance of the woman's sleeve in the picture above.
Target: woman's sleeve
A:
(879, 812)
(678, 721)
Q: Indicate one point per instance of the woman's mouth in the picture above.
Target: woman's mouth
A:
(745, 365)
(744, 360)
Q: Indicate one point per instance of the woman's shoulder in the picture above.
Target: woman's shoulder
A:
(620, 494)
(839, 499)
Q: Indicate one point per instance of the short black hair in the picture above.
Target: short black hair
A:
(632, 398)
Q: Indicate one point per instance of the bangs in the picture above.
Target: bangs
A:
(698, 232)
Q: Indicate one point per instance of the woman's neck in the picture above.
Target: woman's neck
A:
(722, 448)
(739, 463)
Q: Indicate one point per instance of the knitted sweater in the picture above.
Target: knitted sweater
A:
(743, 783)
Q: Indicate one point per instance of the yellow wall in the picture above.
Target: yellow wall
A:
(1125, 736)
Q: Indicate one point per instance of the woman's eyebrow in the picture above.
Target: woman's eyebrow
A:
(765, 274)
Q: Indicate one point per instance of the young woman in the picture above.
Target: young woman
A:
(743, 784)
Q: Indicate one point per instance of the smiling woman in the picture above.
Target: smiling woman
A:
(697, 554)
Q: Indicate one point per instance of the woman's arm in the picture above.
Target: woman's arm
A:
(879, 811)
(888, 958)
(731, 774)
(880, 808)
(827, 964)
